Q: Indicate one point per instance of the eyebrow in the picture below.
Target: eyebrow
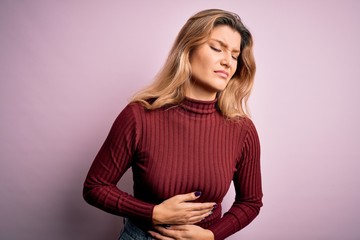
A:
(224, 45)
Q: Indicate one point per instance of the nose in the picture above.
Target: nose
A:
(226, 60)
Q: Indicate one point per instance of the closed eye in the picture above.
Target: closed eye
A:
(215, 49)
(219, 50)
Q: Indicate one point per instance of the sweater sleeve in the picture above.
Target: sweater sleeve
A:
(247, 182)
(111, 162)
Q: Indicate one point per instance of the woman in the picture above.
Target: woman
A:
(186, 137)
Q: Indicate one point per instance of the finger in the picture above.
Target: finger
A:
(166, 231)
(175, 232)
(180, 227)
(163, 230)
(199, 218)
(202, 212)
(208, 206)
(159, 236)
(189, 196)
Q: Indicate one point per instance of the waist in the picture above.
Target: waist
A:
(206, 223)
(132, 231)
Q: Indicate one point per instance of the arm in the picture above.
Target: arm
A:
(247, 181)
(111, 162)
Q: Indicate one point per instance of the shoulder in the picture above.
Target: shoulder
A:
(249, 124)
(245, 127)
(252, 136)
(132, 110)
(129, 115)
(242, 123)
(128, 120)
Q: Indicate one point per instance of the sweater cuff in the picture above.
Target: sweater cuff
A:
(140, 210)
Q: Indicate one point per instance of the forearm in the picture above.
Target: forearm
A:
(238, 217)
(114, 201)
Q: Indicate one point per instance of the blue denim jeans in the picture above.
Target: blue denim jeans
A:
(131, 232)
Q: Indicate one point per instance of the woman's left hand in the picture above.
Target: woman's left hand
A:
(182, 232)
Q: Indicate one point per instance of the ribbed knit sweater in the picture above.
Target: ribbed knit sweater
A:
(176, 150)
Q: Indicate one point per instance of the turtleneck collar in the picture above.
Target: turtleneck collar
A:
(199, 106)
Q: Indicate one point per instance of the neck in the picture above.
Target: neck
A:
(199, 107)
(202, 96)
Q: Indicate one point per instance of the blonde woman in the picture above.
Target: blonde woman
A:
(186, 138)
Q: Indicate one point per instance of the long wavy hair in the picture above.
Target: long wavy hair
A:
(173, 79)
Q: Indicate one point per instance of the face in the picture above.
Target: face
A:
(214, 63)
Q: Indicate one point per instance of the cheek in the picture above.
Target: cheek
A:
(233, 70)
(201, 61)
(199, 65)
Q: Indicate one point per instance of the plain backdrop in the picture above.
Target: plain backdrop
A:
(67, 68)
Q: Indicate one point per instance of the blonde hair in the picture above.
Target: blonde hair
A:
(172, 80)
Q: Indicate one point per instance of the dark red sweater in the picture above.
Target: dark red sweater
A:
(176, 150)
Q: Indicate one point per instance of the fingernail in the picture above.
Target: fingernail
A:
(215, 206)
(167, 226)
(197, 193)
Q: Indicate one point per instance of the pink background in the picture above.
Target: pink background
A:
(67, 68)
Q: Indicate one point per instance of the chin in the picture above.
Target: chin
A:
(220, 88)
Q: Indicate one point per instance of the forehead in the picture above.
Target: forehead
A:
(229, 36)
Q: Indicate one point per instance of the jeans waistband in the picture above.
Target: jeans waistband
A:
(132, 232)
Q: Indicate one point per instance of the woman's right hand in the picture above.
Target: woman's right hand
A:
(181, 210)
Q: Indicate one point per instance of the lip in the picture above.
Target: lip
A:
(222, 73)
